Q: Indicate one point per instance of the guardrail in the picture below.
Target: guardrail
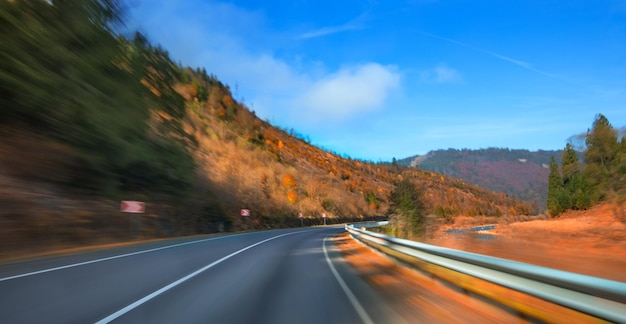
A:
(600, 298)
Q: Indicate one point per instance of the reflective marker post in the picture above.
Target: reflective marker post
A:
(301, 216)
(324, 217)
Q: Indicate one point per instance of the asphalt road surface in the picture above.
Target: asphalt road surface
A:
(280, 276)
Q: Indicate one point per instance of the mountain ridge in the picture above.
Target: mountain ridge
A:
(519, 172)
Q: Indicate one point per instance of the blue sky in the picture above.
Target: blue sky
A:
(381, 79)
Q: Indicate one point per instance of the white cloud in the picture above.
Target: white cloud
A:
(441, 74)
(349, 91)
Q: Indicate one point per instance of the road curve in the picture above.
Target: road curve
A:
(279, 276)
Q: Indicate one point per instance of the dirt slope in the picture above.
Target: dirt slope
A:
(591, 242)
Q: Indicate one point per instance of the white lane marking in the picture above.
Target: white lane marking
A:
(183, 279)
(353, 300)
(112, 258)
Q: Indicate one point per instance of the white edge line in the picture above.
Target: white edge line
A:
(112, 258)
(105, 259)
(353, 300)
(183, 279)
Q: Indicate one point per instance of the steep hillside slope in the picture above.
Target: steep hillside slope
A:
(277, 175)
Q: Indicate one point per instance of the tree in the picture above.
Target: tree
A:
(371, 200)
(570, 165)
(575, 184)
(600, 156)
(555, 189)
(601, 177)
(407, 207)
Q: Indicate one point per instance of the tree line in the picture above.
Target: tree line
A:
(600, 177)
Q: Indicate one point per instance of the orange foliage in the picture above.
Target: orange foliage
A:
(289, 181)
(292, 196)
(228, 100)
(221, 112)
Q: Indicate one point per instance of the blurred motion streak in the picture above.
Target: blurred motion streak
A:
(537, 292)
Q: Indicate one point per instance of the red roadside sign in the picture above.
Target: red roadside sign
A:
(245, 212)
(301, 215)
(129, 206)
(324, 215)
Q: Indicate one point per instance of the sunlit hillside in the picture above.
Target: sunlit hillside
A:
(100, 118)
(278, 175)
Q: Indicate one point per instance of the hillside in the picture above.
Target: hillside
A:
(520, 173)
(278, 175)
(102, 118)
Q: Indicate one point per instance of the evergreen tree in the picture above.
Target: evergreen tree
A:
(602, 176)
(600, 156)
(555, 189)
(407, 207)
(570, 165)
(575, 184)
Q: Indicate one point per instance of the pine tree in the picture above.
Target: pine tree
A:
(575, 185)
(555, 189)
(600, 156)
(407, 207)
(570, 165)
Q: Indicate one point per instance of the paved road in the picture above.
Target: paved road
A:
(281, 276)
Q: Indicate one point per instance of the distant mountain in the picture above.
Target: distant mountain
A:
(521, 173)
